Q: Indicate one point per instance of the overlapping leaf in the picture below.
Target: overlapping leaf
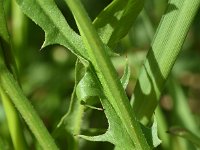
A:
(113, 134)
(88, 88)
(92, 88)
(46, 14)
(126, 76)
(114, 22)
(165, 49)
(72, 120)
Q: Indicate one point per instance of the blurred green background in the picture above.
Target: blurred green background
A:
(47, 75)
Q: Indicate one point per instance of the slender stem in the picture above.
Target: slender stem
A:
(107, 75)
(14, 124)
(12, 89)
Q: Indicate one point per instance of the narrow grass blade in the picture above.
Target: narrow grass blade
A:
(114, 22)
(161, 57)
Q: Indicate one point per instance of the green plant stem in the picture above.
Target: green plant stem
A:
(161, 57)
(12, 116)
(107, 75)
(12, 89)
(14, 124)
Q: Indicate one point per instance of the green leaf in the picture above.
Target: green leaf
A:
(3, 28)
(182, 132)
(88, 89)
(107, 75)
(6, 53)
(116, 133)
(57, 31)
(7, 60)
(151, 134)
(13, 90)
(181, 110)
(113, 134)
(114, 22)
(126, 75)
(72, 120)
(165, 49)
(4, 145)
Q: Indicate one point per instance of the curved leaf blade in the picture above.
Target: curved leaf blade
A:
(166, 46)
(46, 14)
(114, 22)
(113, 134)
(126, 75)
(116, 133)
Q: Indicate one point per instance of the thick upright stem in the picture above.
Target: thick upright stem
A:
(107, 75)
